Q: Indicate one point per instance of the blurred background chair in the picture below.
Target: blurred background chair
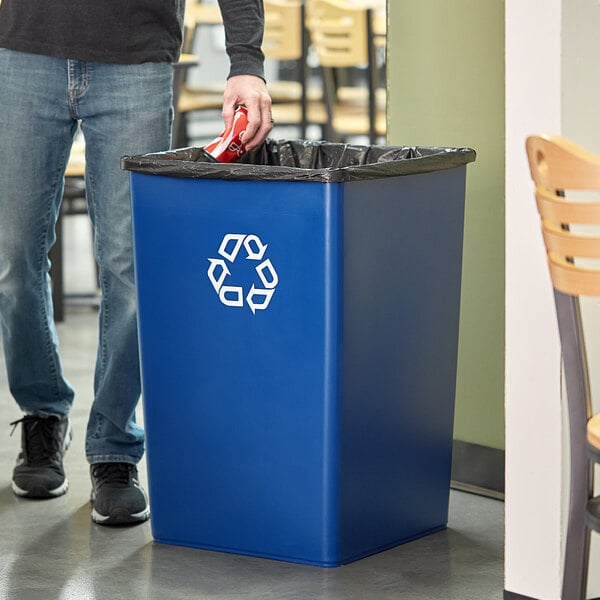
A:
(185, 102)
(342, 36)
(285, 44)
(294, 101)
(567, 190)
(199, 16)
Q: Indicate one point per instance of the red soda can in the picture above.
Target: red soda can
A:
(228, 146)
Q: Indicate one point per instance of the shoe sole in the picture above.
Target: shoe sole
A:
(40, 493)
(120, 517)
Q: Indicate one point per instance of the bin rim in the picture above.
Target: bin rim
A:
(278, 160)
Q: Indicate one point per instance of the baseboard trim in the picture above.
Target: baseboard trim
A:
(478, 469)
(513, 596)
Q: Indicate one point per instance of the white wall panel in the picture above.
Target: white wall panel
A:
(532, 384)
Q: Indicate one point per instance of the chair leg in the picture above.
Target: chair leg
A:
(581, 471)
(328, 80)
(577, 545)
(180, 136)
(56, 273)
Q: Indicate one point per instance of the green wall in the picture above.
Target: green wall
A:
(446, 88)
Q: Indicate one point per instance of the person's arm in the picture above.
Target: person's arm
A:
(244, 25)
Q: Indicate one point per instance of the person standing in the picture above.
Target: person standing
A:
(106, 67)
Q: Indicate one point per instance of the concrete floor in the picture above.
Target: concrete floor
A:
(51, 550)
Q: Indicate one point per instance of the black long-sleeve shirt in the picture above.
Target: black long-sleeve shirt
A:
(125, 31)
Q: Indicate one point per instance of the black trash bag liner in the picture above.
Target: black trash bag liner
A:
(303, 160)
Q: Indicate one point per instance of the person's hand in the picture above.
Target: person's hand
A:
(250, 91)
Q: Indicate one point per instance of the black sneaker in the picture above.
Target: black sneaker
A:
(39, 472)
(117, 496)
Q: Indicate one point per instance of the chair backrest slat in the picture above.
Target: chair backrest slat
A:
(338, 32)
(559, 209)
(566, 243)
(568, 278)
(282, 38)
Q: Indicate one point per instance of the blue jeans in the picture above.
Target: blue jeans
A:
(122, 109)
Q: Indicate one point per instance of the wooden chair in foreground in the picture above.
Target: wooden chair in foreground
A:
(563, 174)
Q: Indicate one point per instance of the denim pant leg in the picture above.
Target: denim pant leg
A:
(36, 131)
(124, 109)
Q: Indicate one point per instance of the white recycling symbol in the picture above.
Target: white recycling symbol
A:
(257, 298)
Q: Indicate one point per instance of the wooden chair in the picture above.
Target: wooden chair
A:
(286, 39)
(342, 37)
(560, 167)
(196, 99)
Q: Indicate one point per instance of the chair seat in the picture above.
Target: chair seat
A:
(360, 95)
(291, 112)
(593, 436)
(198, 100)
(351, 112)
(291, 91)
(355, 121)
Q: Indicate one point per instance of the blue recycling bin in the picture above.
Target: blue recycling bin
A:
(298, 332)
